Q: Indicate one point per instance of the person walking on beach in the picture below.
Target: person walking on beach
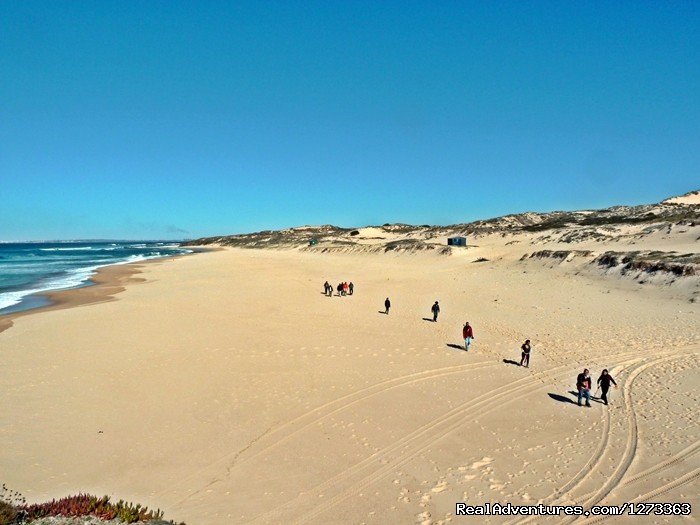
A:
(340, 289)
(351, 287)
(387, 305)
(583, 385)
(345, 288)
(525, 354)
(604, 383)
(327, 290)
(436, 310)
(468, 334)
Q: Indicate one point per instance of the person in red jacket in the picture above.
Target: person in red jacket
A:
(468, 334)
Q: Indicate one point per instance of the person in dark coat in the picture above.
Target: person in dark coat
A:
(387, 305)
(525, 353)
(583, 385)
(436, 310)
(351, 287)
(604, 383)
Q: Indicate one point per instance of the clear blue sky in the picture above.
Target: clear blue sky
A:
(182, 119)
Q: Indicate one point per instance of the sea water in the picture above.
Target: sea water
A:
(27, 269)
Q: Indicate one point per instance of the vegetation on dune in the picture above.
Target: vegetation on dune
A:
(583, 225)
(14, 510)
(652, 262)
(680, 265)
(557, 254)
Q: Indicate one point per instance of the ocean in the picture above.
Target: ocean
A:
(29, 268)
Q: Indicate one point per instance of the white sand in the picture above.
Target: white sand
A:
(227, 389)
(692, 198)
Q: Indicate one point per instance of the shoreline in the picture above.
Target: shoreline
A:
(107, 282)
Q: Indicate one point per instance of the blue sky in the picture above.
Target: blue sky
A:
(183, 119)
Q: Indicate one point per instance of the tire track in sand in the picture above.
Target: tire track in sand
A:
(582, 475)
(632, 438)
(231, 460)
(686, 478)
(676, 458)
(420, 439)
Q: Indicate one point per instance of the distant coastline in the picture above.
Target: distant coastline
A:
(31, 271)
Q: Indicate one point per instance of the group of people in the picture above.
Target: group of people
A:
(344, 288)
(467, 330)
(583, 386)
(583, 381)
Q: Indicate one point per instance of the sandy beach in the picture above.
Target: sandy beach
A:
(224, 387)
(178, 181)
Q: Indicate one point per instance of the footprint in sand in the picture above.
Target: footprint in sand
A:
(423, 518)
(439, 487)
(484, 461)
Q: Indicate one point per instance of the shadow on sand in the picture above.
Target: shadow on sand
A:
(511, 362)
(382, 312)
(428, 319)
(561, 399)
(458, 347)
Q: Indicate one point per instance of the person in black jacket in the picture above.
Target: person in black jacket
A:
(604, 383)
(436, 310)
(525, 353)
(387, 305)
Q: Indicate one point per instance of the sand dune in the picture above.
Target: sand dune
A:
(692, 198)
(226, 388)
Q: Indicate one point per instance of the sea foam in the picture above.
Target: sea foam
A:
(27, 269)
